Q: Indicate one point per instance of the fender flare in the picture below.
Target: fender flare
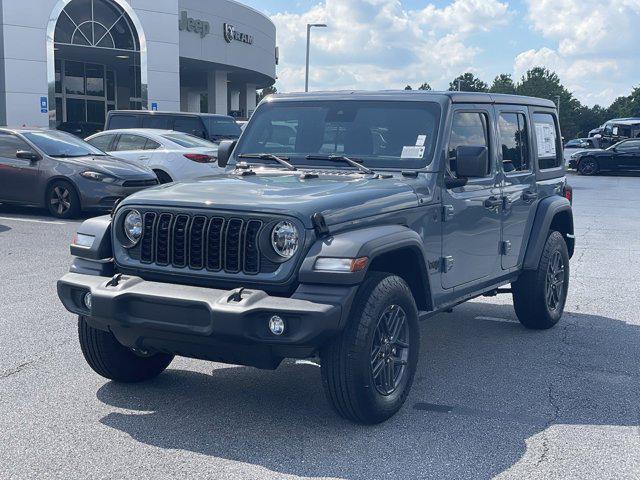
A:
(100, 229)
(368, 242)
(547, 210)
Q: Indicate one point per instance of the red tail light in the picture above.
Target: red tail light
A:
(568, 193)
(200, 158)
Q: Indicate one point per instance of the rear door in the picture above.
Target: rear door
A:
(627, 155)
(18, 177)
(472, 213)
(518, 180)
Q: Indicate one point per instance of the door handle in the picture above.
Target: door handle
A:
(529, 196)
(493, 202)
(143, 158)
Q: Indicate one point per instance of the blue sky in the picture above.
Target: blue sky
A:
(388, 43)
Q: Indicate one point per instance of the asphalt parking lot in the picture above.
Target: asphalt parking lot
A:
(490, 398)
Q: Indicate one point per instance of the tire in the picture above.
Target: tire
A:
(539, 296)
(62, 200)
(163, 177)
(351, 386)
(588, 166)
(108, 358)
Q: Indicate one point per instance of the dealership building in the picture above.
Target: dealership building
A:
(74, 60)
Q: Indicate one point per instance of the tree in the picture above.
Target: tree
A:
(541, 82)
(265, 92)
(408, 87)
(503, 84)
(468, 83)
(424, 86)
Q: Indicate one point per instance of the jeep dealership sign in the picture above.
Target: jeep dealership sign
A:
(231, 34)
(201, 27)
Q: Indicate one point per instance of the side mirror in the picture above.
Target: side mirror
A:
(225, 149)
(472, 162)
(28, 155)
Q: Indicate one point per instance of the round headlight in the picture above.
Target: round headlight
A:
(133, 226)
(284, 239)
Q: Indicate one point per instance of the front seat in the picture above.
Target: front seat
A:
(358, 141)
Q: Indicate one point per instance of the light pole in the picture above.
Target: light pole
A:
(309, 27)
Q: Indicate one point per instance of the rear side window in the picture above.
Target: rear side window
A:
(513, 142)
(151, 145)
(188, 141)
(123, 121)
(547, 141)
(225, 127)
(191, 125)
(10, 144)
(468, 129)
(130, 142)
(103, 142)
(162, 122)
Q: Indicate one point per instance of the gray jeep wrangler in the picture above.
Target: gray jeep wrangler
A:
(343, 219)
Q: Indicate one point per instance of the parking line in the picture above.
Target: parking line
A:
(31, 220)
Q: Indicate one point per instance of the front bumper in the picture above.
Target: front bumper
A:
(102, 196)
(573, 163)
(208, 323)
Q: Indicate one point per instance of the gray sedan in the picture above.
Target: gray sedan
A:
(55, 170)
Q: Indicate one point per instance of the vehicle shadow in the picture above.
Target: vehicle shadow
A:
(39, 213)
(484, 386)
(4, 228)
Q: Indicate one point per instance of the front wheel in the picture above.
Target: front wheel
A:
(368, 370)
(539, 296)
(588, 166)
(63, 200)
(107, 357)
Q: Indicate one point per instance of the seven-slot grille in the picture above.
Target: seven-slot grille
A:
(199, 242)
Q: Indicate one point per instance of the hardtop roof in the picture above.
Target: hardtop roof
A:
(417, 95)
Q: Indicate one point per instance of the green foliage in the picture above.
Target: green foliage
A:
(468, 82)
(503, 83)
(424, 86)
(265, 92)
(408, 87)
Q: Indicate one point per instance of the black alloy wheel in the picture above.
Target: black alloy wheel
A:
(390, 350)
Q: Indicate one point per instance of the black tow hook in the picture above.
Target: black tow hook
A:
(236, 295)
(115, 280)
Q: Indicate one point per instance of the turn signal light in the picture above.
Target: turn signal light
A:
(200, 158)
(328, 264)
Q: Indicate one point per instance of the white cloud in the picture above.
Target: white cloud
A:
(379, 44)
(596, 46)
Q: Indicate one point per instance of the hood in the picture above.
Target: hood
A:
(591, 151)
(338, 197)
(116, 167)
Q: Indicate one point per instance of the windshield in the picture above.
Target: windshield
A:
(61, 144)
(189, 141)
(223, 127)
(381, 133)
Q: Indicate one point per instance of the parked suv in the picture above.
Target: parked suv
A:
(204, 125)
(375, 211)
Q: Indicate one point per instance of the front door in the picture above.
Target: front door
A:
(472, 213)
(18, 177)
(627, 155)
(519, 186)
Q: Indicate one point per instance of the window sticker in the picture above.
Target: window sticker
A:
(412, 152)
(546, 138)
(420, 141)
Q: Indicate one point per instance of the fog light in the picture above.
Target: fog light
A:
(276, 325)
(87, 300)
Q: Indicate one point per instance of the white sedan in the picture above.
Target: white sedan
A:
(171, 155)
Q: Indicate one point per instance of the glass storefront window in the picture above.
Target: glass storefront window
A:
(111, 85)
(76, 110)
(58, 64)
(95, 80)
(95, 111)
(74, 78)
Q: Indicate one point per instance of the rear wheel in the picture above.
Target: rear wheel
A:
(62, 200)
(107, 357)
(368, 370)
(588, 166)
(539, 296)
(163, 177)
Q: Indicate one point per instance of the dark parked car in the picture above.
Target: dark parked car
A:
(623, 156)
(80, 129)
(204, 125)
(374, 211)
(577, 145)
(63, 173)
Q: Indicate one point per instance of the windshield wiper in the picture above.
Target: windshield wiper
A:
(341, 158)
(66, 155)
(269, 156)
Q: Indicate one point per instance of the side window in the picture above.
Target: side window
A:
(468, 129)
(629, 146)
(10, 144)
(547, 141)
(514, 142)
(191, 125)
(103, 142)
(128, 142)
(151, 145)
(123, 121)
